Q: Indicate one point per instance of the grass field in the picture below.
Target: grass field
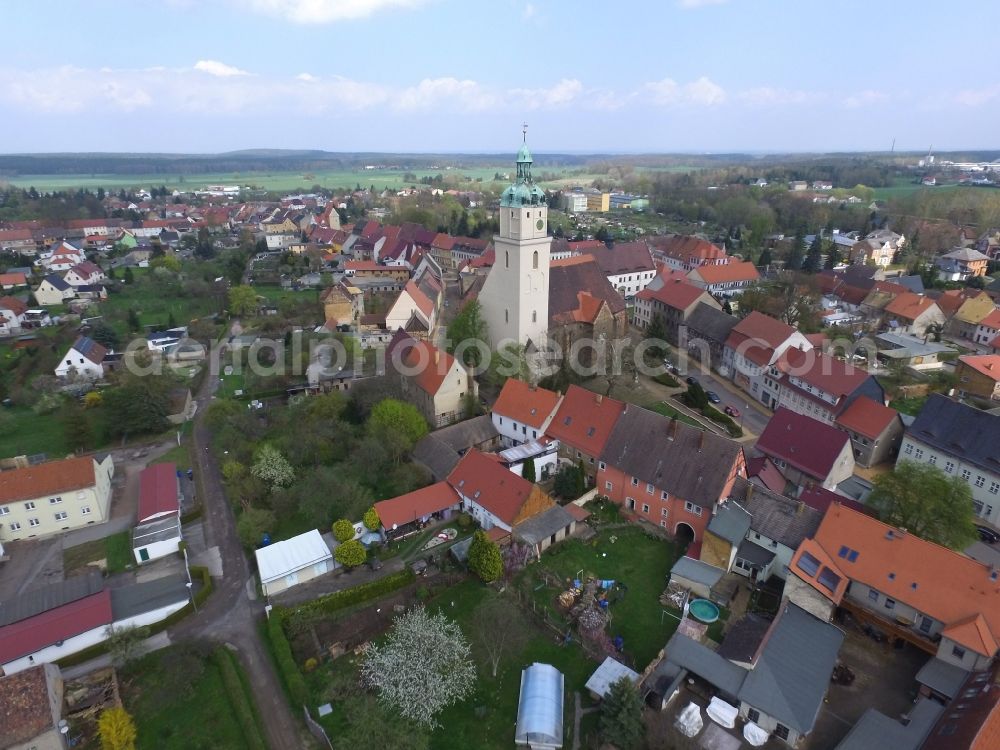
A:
(903, 187)
(22, 432)
(116, 549)
(290, 181)
(151, 305)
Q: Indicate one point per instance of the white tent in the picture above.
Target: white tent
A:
(689, 721)
(722, 713)
(754, 734)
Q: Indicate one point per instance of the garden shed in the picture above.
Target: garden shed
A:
(293, 561)
(610, 672)
(540, 708)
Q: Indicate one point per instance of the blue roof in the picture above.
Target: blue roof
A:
(90, 349)
(57, 282)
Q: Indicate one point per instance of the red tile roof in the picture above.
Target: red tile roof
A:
(412, 506)
(13, 279)
(984, 364)
(25, 710)
(764, 471)
(992, 320)
(491, 485)
(831, 375)
(431, 364)
(867, 417)
(524, 403)
(13, 304)
(49, 478)
(757, 336)
(720, 274)
(585, 420)
(820, 498)
(687, 248)
(443, 241)
(937, 581)
(909, 306)
(804, 443)
(28, 636)
(677, 293)
(157, 491)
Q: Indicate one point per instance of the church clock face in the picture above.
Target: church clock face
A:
(540, 224)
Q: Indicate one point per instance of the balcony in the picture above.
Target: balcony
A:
(901, 627)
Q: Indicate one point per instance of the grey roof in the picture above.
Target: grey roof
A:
(754, 554)
(609, 672)
(57, 281)
(687, 653)
(540, 707)
(914, 283)
(942, 677)
(688, 462)
(470, 433)
(876, 731)
(158, 530)
(710, 323)
(775, 516)
(789, 680)
(435, 455)
(48, 597)
(905, 344)
(744, 637)
(543, 525)
(139, 598)
(730, 522)
(697, 571)
(959, 430)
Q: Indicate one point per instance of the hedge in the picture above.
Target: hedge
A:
(723, 419)
(348, 597)
(239, 699)
(667, 380)
(292, 677)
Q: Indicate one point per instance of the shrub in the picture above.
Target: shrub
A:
(350, 554)
(485, 559)
(310, 665)
(666, 379)
(349, 597)
(343, 530)
(294, 681)
(463, 521)
(238, 699)
(371, 520)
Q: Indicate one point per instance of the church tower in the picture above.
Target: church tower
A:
(515, 296)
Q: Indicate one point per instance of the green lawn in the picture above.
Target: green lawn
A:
(22, 432)
(276, 294)
(179, 455)
(151, 305)
(116, 549)
(179, 699)
(910, 406)
(640, 561)
(668, 411)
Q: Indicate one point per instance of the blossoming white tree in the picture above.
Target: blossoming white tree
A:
(271, 467)
(423, 666)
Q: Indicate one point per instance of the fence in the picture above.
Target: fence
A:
(316, 730)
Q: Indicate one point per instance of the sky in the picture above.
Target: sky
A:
(663, 76)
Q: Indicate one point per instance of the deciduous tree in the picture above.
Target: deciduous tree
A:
(242, 300)
(343, 530)
(123, 643)
(469, 326)
(398, 424)
(253, 523)
(499, 630)
(271, 467)
(116, 729)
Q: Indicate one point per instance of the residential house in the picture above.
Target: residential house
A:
(971, 719)
(84, 274)
(522, 412)
(876, 431)
(582, 425)
(494, 496)
(84, 360)
(405, 514)
(61, 257)
(726, 280)
(13, 280)
(628, 265)
(705, 333)
(763, 472)
(467, 249)
(751, 353)
(416, 308)
(31, 704)
(979, 375)
(53, 291)
(158, 519)
(685, 253)
(440, 450)
(912, 351)
(288, 563)
(821, 386)
(583, 305)
(55, 496)
(367, 269)
(673, 298)
(798, 186)
(878, 296)
(343, 304)
(988, 330)
(431, 379)
(914, 314)
(940, 601)
(667, 472)
(972, 306)
(441, 249)
(19, 241)
(962, 441)
(961, 264)
(807, 451)
(12, 312)
(878, 248)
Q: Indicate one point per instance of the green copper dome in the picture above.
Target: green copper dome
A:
(524, 155)
(524, 191)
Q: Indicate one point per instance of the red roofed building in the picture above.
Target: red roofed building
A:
(431, 379)
(403, 514)
(582, 425)
(685, 253)
(725, 280)
(671, 296)
(752, 350)
(159, 492)
(988, 329)
(821, 386)
(913, 313)
(83, 274)
(494, 495)
(939, 600)
(979, 375)
(522, 412)
(31, 704)
(12, 280)
(876, 430)
(806, 451)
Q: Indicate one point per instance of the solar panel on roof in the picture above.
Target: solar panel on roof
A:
(808, 564)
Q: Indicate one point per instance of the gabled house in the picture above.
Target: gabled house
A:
(807, 452)
(85, 360)
(522, 412)
(12, 312)
(158, 519)
(404, 514)
(494, 496)
(62, 257)
(53, 291)
(876, 431)
(938, 600)
(582, 425)
(671, 296)
(751, 353)
(962, 441)
(290, 562)
(583, 304)
(343, 303)
(628, 265)
(31, 704)
(961, 264)
(726, 280)
(13, 280)
(685, 253)
(979, 376)
(913, 313)
(84, 274)
(820, 386)
(416, 308)
(431, 379)
(988, 330)
(705, 333)
(667, 472)
(964, 309)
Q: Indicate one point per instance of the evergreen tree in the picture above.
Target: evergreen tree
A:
(129, 276)
(133, 320)
(815, 256)
(793, 262)
(485, 559)
(832, 258)
(528, 472)
(765, 258)
(621, 716)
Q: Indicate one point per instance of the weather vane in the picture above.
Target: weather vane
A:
(524, 130)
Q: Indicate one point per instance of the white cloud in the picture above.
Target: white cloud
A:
(216, 68)
(865, 98)
(691, 4)
(977, 97)
(325, 11)
(306, 77)
(767, 96)
(562, 93)
(436, 92)
(702, 91)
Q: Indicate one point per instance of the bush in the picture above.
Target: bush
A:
(350, 554)
(343, 530)
(295, 683)
(310, 665)
(349, 597)
(485, 559)
(667, 379)
(238, 699)
(463, 521)
(371, 520)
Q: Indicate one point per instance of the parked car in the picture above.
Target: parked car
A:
(713, 397)
(691, 380)
(987, 534)
(732, 411)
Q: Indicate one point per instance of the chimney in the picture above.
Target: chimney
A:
(672, 428)
(437, 356)
(749, 492)
(598, 397)
(701, 440)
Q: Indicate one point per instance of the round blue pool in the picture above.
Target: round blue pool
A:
(704, 610)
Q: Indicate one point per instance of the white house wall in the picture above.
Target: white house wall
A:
(55, 653)
(157, 550)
